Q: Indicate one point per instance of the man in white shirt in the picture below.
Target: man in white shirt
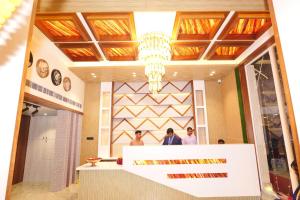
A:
(190, 138)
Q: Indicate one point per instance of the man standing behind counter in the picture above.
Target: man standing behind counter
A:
(190, 138)
(171, 138)
(137, 141)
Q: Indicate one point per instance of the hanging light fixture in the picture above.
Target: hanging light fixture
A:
(154, 30)
(6, 9)
(154, 51)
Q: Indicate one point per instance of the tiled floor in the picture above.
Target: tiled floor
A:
(25, 191)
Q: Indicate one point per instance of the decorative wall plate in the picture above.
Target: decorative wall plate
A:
(30, 59)
(67, 84)
(42, 68)
(56, 77)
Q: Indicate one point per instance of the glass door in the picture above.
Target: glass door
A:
(270, 123)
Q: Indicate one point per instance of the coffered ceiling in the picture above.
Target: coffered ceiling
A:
(112, 36)
(106, 43)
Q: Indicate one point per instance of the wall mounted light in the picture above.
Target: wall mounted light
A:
(25, 109)
(34, 112)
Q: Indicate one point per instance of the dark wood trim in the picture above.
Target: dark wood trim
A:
(20, 104)
(247, 15)
(201, 45)
(62, 16)
(197, 15)
(21, 149)
(133, 45)
(43, 102)
(65, 46)
(243, 45)
(190, 44)
(258, 51)
(285, 82)
(234, 19)
(112, 16)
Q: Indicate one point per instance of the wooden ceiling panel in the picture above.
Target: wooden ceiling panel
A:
(111, 26)
(61, 27)
(225, 50)
(246, 26)
(80, 51)
(197, 25)
(125, 51)
(188, 50)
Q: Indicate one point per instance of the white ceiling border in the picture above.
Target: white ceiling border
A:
(88, 30)
(215, 38)
(256, 44)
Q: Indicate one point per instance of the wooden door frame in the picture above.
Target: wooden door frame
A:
(20, 104)
(25, 128)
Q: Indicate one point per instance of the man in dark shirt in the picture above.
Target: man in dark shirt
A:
(171, 138)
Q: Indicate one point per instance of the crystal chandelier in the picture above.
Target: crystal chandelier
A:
(154, 51)
(7, 7)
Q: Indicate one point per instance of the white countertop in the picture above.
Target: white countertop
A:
(100, 166)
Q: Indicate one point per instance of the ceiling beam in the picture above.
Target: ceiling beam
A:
(88, 30)
(257, 44)
(226, 21)
(45, 6)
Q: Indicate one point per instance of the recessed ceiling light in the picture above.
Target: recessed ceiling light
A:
(175, 73)
(45, 114)
(212, 73)
(93, 74)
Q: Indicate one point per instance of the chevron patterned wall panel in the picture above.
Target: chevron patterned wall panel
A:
(134, 108)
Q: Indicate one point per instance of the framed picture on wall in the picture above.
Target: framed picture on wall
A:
(42, 68)
(67, 84)
(56, 77)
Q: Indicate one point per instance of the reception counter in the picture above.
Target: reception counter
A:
(203, 173)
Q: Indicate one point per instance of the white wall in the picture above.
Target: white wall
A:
(40, 149)
(215, 112)
(287, 16)
(223, 110)
(43, 48)
(13, 42)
